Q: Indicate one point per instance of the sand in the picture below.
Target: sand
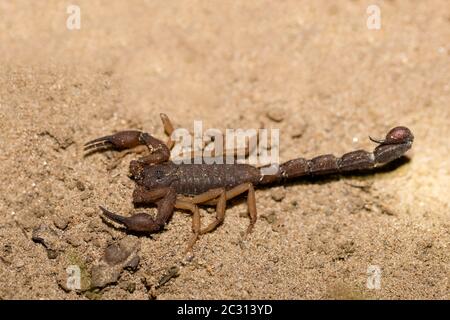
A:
(332, 81)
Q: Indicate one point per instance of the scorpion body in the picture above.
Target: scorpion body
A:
(185, 186)
(194, 179)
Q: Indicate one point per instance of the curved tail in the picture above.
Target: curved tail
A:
(398, 140)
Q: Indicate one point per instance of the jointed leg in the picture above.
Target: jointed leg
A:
(219, 197)
(203, 197)
(168, 129)
(251, 201)
(218, 194)
(220, 214)
(185, 205)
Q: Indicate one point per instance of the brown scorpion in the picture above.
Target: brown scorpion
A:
(184, 186)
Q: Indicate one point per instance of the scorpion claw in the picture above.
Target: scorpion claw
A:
(120, 140)
(112, 216)
(98, 144)
(98, 140)
(140, 222)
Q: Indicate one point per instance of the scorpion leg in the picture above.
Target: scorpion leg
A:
(251, 202)
(220, 214)
(168, 129)
(203, 197)
(218, 194)
(186, 205)
(142, 222)
(218, 197)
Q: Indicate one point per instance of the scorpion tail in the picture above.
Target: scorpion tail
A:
(398, 140)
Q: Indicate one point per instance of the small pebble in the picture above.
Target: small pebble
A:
(88, 237)
(148, 280)
(117, 253)
(173, 272)
(114, 254)
(243, 214)
(85, 195)
(131, 287)
(74, 240)
(49, 238)
(276, 114)
(278, 193)
(128, 286)
(80, 186)
(7, 249)
(59, 196)
(40, 212)
(89, 212)
(270, 217)
(61, 222)
(70, 183)
(96, 242)
(52, 254)
(133, 264)
(298, 130)
(102, 275)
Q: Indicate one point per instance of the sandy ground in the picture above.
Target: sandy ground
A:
(228, 63)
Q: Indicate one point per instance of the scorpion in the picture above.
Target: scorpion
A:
(169, 185)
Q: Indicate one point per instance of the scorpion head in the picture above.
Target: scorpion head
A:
(156, 176)
(136, 170)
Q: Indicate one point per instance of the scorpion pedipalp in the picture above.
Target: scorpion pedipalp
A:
(120, 140)
(140, 222)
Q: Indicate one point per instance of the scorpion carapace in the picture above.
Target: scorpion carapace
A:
(184, 186)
